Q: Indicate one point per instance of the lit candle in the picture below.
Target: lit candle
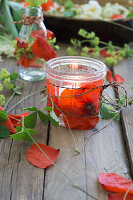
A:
(74, 84)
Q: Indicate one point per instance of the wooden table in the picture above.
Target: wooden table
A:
(110, 150)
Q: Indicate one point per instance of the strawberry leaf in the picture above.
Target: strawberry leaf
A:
(30, 109)
(109, 112)
(24, 135)
(3, 116)
(43, 117)
(4, 131)
(53, 118)
(30, 120)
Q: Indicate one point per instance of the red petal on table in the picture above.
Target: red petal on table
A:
(119, 79)
(37, 158)
(116, 16)
(17, 117)
(40, 48)
(46, 6)
(41, 33)
(119, 196)
(109, 76)
(8, 123)
(115, 183)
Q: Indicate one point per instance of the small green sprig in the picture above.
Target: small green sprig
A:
(91, 45)
(28, 123)
(8, 81)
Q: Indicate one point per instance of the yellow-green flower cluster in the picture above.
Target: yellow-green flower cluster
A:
(5, 78)
(2, 99)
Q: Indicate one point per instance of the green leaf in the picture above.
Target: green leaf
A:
(109, 112)
(3, 116)
(130, 15)
(4, 131)
(43, 117)
(24, 135)
(14, 76)
(69, 4)
(30, 109)
(30, 120)
(7, 19)
(53, 118)
(48, 108)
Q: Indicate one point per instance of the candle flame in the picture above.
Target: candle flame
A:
(74, 66)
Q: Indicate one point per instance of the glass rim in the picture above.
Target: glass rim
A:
(74, 59)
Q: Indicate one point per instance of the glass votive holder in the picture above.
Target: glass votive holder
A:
(74, 87)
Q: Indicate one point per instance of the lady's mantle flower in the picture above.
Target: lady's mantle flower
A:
(92, 9)
(2, 99)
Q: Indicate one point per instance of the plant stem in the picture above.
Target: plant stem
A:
(127, 192)
(73, 184)
(9, 100)
(22, 100)
(97, 132)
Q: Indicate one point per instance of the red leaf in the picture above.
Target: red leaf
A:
(18, 117)
(37, 158)
(116, 16)
(115, 183)
(119, 79)
(109, 76)
(46, 6)
(8, 123)
(119, 196)
(40, 48)
(12, 123)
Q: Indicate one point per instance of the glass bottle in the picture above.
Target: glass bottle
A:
(32, 73)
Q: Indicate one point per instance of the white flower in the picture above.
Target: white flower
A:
(110, 9)
(91, 10)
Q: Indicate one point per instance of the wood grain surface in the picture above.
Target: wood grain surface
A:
(19, 180)
(104, 152)
(125, 69)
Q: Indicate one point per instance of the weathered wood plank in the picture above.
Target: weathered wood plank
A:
(104, 152)
(125, 69)
(18, 178)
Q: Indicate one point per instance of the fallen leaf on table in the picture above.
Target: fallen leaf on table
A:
(119, 196)
(117, 78)
(38, 158)
(115, 183)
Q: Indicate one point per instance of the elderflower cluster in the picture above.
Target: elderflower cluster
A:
(91, 10)
(111, 9)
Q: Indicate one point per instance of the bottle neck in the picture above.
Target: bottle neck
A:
(34, 11)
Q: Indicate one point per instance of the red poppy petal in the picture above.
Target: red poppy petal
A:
(24, 61)
(119, 196)
(19, 117)
(36, 33)
(46, 6)
(40, 48)
(114, 182)
(116, 16)
(109, 76)
(50, 34)
(37, 158)
(80, 123)
(8, 123)
(104, 53)
(119, 79)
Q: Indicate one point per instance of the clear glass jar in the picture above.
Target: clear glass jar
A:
(74, 86)
(32, 73)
